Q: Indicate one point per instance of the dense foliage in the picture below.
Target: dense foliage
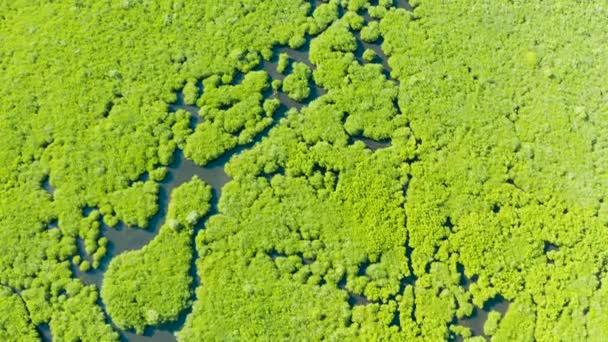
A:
(15, 322)
(232, 115)
(457, 167)
(296, 83)
(152, 285)
(85, 88)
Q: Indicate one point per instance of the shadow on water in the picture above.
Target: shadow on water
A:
(166, 331)
(299, 55)
(355, 299)
(44, 332)
(465, 282)
(123, 238)
(476, 321)
(182, 170)
(46, 185)
(405, 4)
(43, 329)
(550, 247)
(479, 316)
(296, 55)
(195, 119)
(52, 224)
(313, 5)
(376, 46)
(271, 68)
(372, 145)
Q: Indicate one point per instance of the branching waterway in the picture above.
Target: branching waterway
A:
(123, 238)
(302, 169)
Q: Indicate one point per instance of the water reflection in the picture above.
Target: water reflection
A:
(44, 332)
(480, 315)
(195, 119)
(46, 185)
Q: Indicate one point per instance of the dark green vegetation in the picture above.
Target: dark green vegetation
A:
(456, 174)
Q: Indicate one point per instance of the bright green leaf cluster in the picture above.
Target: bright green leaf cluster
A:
(296, 84)
(371, 32)
(232, 115)
(15, 322)
(283, 62)
(152, 285)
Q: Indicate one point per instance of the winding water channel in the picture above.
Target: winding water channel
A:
(123, 238)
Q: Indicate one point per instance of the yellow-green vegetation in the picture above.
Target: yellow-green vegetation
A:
(85, 88)
(490, 186)
(510, 153)
(489, 327)
(369, 55)
(191, 92)
(371, 32)
(152, 285)
(232, 115)
(15, 323)
(71, 309)
(323, 16)
(283, 62)
(276, 85)
(296, 84)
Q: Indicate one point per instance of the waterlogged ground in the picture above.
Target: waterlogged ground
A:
(346, 170)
